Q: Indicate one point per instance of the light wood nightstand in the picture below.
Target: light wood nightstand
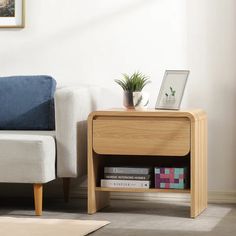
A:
(146, 138)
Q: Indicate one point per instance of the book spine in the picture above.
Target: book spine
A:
(124, 170)
(110, 183)
(126, 176)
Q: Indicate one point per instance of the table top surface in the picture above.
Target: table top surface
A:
(192, 114)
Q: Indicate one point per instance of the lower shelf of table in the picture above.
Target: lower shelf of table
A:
(142, 190)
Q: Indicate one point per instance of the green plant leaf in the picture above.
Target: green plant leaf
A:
(136, 82)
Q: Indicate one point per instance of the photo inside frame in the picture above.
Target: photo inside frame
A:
(172, 89)
(11, 13)
(7, 8)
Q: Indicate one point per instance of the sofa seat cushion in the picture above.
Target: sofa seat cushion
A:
(27, 103)
(27, 158)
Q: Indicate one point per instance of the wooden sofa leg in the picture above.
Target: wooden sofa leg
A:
(66, 189)
(38, 199)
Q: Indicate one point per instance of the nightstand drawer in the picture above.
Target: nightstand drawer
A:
(141, 136)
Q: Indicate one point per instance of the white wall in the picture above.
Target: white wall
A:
(94, 41)
(212, 61)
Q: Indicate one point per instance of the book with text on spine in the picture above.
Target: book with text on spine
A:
(127, 176)
(112, 183)
(127, 170)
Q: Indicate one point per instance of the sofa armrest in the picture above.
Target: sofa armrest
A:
(72, 107)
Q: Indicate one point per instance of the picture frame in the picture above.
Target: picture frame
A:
(12, 13)
(172, 89)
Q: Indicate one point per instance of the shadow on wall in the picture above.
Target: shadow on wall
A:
(211, 57)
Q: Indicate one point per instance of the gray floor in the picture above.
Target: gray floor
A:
(134, 217)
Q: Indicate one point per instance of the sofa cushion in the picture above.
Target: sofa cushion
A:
(27, 103)
(27, 158)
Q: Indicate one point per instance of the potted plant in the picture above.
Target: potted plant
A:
(133, 85)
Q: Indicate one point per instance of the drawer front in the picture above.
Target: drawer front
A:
(141, 136)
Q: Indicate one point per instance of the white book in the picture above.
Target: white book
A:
(127, 170)
(112, 183)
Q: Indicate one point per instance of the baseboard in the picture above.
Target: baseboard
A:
(213, 196)
(222, 197)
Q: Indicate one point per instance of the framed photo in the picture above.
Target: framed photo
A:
(12, 13)
(172, 89)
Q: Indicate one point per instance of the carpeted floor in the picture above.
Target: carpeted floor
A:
(135, 218)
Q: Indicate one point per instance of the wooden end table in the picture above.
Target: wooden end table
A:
(146, 138)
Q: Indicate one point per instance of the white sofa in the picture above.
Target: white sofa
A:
(37, 157)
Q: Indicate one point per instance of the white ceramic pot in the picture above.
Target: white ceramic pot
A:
(135, 100)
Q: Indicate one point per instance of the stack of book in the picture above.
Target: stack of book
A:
(126, 177)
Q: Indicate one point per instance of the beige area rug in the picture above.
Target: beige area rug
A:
(11, 226)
